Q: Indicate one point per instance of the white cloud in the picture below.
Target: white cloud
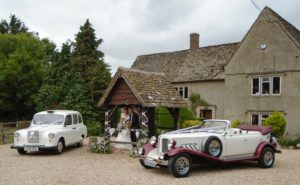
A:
(130, 28)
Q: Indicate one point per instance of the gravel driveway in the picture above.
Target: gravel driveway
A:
(78, 166)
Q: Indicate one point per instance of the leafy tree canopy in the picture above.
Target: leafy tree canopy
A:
(13, 26)
(22, 61)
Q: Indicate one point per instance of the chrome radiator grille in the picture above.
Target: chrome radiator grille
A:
(164, 145)
(33, 136)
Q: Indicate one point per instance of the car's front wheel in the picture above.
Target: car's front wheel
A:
(267, 158)
(180, 165)
(21, 151)
(60, 147)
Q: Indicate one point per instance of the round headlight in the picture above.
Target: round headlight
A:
(141, 151)
(16, 134)
(153, 140)
(51, 135)
(171, 144)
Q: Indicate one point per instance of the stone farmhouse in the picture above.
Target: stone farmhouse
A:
(246, 80)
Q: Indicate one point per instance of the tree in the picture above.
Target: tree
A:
(22, 61)
(55, 84)
(15, 25)
(88, 64)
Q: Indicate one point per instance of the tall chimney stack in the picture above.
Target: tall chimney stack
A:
(194, 41)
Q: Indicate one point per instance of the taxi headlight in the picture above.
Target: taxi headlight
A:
(16, 135)
(51, 135)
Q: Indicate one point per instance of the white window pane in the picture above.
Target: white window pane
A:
(265, 85)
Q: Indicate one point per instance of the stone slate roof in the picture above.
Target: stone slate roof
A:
(205, 63)
(150, 88)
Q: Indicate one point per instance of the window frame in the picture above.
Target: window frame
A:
(271, 85)
(184, 89)
(253, 86)
(261, 84)
(260, 118)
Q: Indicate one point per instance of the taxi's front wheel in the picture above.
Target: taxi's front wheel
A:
(60, 146)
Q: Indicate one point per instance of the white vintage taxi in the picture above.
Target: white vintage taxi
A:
(212, 141)
(51, 130)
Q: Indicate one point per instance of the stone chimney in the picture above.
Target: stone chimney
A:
(194, 41)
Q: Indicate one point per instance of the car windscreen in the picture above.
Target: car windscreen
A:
(214, 125)
(48, 119)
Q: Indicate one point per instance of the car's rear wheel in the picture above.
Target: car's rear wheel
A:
(142, 162)
(213, 146)
(267, 158)
(180, 165)
(21, 151)
(60, 146)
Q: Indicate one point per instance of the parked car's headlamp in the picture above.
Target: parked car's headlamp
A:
(141, 151)
(171, 144)
(51, 135)
(153, 140)
(16, 134)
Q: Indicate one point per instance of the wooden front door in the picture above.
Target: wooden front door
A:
(206, 113)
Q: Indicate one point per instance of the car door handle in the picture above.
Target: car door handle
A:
(74, 128)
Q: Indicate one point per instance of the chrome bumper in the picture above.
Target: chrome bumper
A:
(159, 162)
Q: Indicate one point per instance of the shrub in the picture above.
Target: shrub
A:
(278, 123)
(285, 141)
(94, 128)
(190, 123)
(235, 123)
(101, 147)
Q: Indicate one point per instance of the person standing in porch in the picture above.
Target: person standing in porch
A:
(123, 130)
(134, 125)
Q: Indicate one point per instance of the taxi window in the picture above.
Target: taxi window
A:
(68, 120)
(75, 119)
(79, 118)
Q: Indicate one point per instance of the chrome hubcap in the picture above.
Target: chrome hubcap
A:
(214, 148)
(268, 158)
(182, 165)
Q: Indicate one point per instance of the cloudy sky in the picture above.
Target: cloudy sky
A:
(134, 27)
